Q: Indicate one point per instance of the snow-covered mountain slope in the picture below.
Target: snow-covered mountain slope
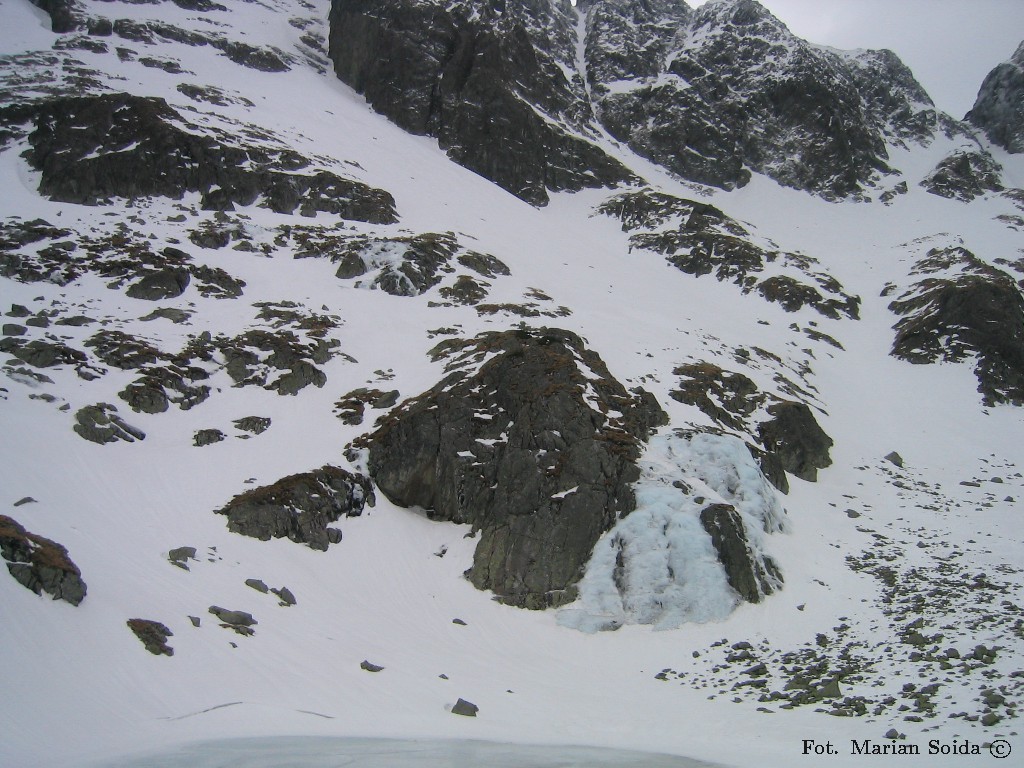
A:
(246, 316)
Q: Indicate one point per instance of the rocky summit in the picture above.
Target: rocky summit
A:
(566, 367)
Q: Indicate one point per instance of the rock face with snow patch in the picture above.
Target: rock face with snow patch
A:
(299, 507)
(700, 239)
(999, 108)
(40, 564)
(92, 148)
(727, 89)
(532, 442)
(963, 308)
(964, 175)
(495, 83)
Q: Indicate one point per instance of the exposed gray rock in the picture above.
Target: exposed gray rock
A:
(795, 437)
(163, 284)
(976, 313)
(100, 424)
(258, 585)
(999, 108)
(234, 618)
(153, 635)
(285, 595)
(257, 425)
(207, 437)
(499, 445)
(370, 666)
(700, 239)
(40, 564)
(964, 176)
(465, 708)
(784, 433)
(13, 329)
(750, 575)
(352, 406)
(93, 148)
(714, 93)
(299, 507)
(488, 80)
(40, 353)
(181, 555)
(894, 458)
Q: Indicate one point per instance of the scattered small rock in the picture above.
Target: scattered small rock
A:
(370, 666)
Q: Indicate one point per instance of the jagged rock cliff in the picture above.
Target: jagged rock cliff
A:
(516, 90)
(999, 108)
(495, 83)
(731, 90)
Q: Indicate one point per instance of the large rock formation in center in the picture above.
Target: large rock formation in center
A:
(531, 441)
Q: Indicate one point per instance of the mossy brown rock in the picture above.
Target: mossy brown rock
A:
(299, 507)
(532, 442)
(40, 564)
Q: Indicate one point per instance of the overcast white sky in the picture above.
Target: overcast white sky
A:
(949, 44)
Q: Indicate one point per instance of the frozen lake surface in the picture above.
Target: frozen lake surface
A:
(327, 752)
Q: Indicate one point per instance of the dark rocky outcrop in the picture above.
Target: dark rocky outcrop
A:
(401, 266)
(167, 283)
(752, 576)
(532, 442)
(700, 239)
(793, 435)
(153, 635)
(351, 408)
(715, 93)
(92, 148)
(999, 108)
(465, 708)
(207, 437)
(65, 15)
(299, 507)
(180, 556)
(489, 80)
(783, 433)
(240, 622)
(100, 424)
(40, 564)
(964, 175)
(967, 310)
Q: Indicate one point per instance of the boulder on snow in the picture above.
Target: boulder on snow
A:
(299, 507)
(153, 635)
(100, 424)
(40, 564)
(532, 442)
(795, 437)
(465, 708)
